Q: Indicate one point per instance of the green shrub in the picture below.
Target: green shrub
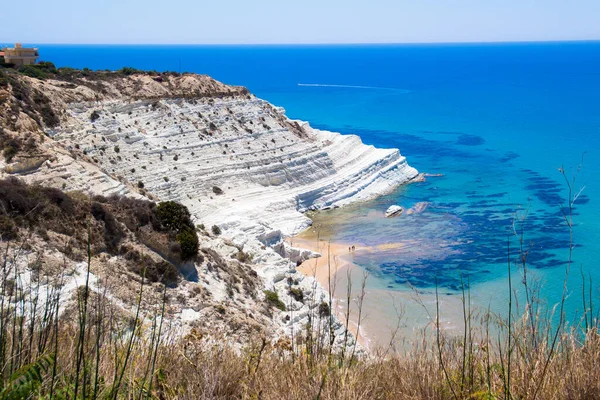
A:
(9, 152)
(272, 298)
(47, 66)
(174, 216)
(324, 310)
(128, 71)
(217, 190)
(188, 242)
(8, 230)
(3, 79)
(112, 231)
(297, 294)
(220, 309)
(242, 256)
(215, 230)
(49, 116)
(67, 72)
(33, 71)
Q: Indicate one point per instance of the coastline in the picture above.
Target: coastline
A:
(391, 320)
(326, 270)
(236, 162)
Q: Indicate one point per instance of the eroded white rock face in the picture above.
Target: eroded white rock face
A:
(237, 163)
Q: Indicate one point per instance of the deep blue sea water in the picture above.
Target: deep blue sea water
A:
(497, 120)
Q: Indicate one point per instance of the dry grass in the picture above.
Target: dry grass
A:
(95, 349)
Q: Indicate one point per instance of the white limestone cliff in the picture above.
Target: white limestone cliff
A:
(234, 160)
(270, 169)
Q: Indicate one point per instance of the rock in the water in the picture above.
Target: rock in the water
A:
(418, 208)
(394, 211)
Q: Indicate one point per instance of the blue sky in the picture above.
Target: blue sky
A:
(306, 21)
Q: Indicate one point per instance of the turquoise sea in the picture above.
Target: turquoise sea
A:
(497, 120)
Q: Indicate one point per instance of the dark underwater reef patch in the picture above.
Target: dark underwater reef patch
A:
(582, 199)
(409, 144)
(479, 246)
(470, 140)
(509, 156)
(546, 190)
(464, 139)
(497, 195)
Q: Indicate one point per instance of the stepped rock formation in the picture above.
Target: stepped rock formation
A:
(235, 161)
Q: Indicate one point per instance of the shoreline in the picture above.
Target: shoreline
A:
(325, 270)
(391, 319)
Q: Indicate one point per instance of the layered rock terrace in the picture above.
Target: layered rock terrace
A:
(234, 160)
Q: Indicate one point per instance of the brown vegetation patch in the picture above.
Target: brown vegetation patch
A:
(104, 222)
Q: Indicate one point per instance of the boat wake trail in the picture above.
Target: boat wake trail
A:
(353, 87)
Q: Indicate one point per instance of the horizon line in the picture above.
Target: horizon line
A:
(491, 42)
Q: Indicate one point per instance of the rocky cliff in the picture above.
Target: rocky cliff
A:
(236, 161)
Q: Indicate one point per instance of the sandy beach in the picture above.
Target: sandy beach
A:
(390, 319)
(331, 271)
